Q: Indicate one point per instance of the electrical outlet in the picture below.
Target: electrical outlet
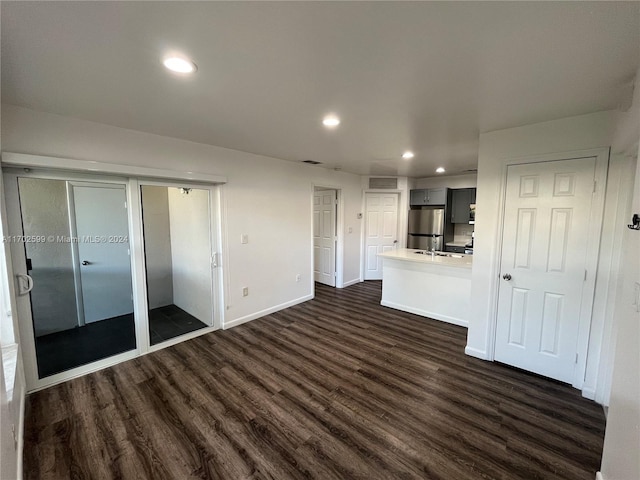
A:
(245, 291)
(297, 277)
(244, 238)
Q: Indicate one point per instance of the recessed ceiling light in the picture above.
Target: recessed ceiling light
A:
(179, 65)
(331, 121)
(407, 155)
(440, 170)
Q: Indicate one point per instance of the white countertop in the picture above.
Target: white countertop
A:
(410, 255)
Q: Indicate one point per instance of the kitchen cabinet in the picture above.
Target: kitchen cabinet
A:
(460, 200)
(428, 196)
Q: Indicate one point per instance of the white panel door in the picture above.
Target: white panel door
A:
(103, 251)
(381, 211)
(324, 237)
(544, 247)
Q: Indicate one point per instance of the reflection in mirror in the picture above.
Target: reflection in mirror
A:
(177, 244)
(76, 242)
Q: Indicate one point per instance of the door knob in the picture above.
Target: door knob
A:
(506, 276)
(84, 262)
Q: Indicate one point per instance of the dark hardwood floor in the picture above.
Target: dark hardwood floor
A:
(335, 388)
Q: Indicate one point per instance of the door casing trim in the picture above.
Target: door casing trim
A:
(339, 234)
(363, 231)
(593, 249)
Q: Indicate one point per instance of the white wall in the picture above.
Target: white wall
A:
(157, 245)
(266, 198)
(496, 149)
(620, 459)
(449, 181)
(189, 221)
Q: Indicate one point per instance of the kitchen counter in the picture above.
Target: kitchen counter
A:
(436, 287)
(418, 256)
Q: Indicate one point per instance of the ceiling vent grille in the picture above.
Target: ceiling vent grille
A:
(311, 162)
(383, 183)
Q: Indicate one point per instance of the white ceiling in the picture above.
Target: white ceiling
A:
(428, 77)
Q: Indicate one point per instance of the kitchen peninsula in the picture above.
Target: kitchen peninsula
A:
(434, 286)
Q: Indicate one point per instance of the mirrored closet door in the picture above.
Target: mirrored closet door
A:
(71, 256)
(178, 251)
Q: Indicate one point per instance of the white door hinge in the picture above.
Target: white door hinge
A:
(585, 275)
(576, 358)
(595, 185)
(214, 260)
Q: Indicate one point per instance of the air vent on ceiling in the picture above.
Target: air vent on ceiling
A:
(383, 183)
(311, 162)
(471, 170)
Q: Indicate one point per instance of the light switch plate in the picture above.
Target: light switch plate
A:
(244, 238)
(636, 296)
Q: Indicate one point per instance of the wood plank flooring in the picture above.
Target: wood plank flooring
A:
(335, 388)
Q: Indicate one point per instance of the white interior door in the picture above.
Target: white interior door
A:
(381, 210)
(103, 250)
(324, 237)
(543, 265)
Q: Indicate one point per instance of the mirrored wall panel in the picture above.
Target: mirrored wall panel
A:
(76, 241)
(177, 245)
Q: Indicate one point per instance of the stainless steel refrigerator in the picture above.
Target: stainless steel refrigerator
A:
(426, 229)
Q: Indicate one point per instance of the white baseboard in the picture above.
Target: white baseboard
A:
(266, 311)
(423, 313)
(588, 392)
(351, 282)
(599, 476)
(474, 352)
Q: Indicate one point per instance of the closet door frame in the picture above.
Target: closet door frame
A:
(215, 236)
(58, 171)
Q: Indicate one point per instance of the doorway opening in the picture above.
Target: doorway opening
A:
(550, 238)
(381, 230)
(325, 237)
(78, 271)
(176, 224)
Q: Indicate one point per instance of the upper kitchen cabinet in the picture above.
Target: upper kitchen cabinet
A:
(429, 196)
(461, 199)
